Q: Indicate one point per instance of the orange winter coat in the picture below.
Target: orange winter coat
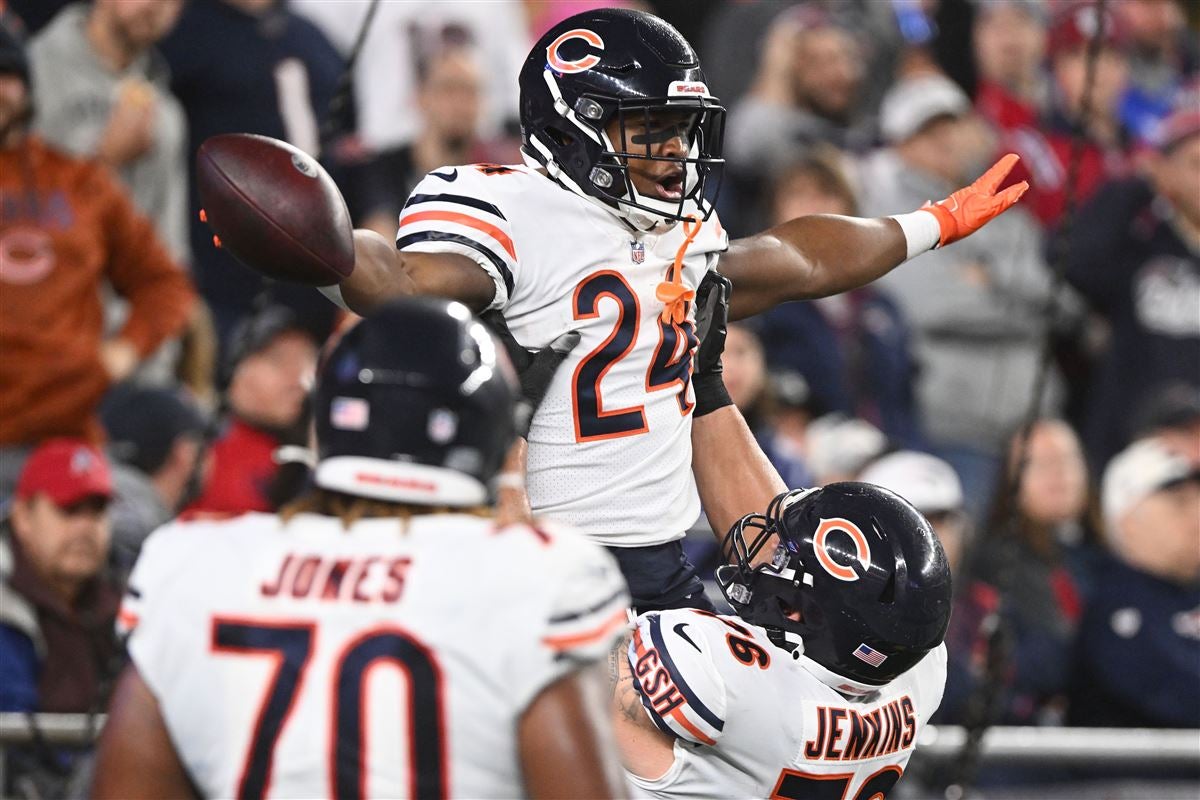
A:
(66, 225)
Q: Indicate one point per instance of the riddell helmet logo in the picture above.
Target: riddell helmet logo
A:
(582, 64)
(862, 549)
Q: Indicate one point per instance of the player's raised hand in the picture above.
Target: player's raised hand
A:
(969, 209)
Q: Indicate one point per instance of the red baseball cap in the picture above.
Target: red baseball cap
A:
(67, 471)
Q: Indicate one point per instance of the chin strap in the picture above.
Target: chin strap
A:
(671, 292)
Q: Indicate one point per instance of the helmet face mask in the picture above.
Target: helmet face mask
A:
(634, 70)
(857, 586)
(643, 128)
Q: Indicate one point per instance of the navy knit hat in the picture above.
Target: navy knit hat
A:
(144, 423)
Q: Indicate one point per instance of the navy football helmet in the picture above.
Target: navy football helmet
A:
(633, 67)
(416, 404)
(862, 567)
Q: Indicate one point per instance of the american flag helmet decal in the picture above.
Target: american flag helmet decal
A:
(869, 655)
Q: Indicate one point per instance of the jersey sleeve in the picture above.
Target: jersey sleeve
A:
(454, 210)
(681, 689)
(586, 614)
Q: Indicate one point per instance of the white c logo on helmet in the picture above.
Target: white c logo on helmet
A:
(862, 549)
(559, 64)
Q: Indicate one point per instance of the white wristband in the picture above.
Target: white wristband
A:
(333, 293)
(921, 231)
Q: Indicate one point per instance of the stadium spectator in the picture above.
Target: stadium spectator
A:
(56, 607)
(274, 73)
(1164, 55)
(977, 311)
(1009, 40)
(805, 93)
(746, 379)
(450, 85)
(855, 355)
(66, 226)
(271, 363)
(838, 447)
(385, 80)
(1135, 257)
(1039, 555)
(101, 90)
(157, 444)
(794, 410)
(1138, 660)
(1045, 148)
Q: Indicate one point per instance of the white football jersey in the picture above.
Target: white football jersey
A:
(749, 721)
(610, 447)
(390, 659)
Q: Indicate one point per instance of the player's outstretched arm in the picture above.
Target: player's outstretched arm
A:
(825, 254)
(565, 740)
(135, 757)
(733, 475)
(381, 273)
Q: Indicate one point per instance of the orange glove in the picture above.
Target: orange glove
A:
(969, 209)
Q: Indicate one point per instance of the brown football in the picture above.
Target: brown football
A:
(275, 208)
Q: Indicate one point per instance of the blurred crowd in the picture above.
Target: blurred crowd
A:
(1034, 390)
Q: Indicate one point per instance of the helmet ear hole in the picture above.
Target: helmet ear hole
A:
(560, 137)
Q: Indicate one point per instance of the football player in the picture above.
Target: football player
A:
(822, 682)
(607, 229)
(384, 637)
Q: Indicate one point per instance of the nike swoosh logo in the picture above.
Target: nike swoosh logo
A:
(679, 632)
(447, 177)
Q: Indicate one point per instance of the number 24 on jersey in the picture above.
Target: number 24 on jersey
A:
(671, 367)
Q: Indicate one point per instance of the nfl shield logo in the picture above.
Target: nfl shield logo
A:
(442, 425)
(637, 252)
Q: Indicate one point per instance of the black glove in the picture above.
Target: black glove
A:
(535, 368)
(712, 319)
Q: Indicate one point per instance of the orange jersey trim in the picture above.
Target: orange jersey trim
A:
(464, 219)
(678, 715)
(127, 618)
(605, 628)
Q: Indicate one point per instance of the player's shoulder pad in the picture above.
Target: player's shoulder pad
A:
(174, 554)
(681, 689)
(485, 191)
(930, 680)
(163, 559)
(588, 607)
(467, 210)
